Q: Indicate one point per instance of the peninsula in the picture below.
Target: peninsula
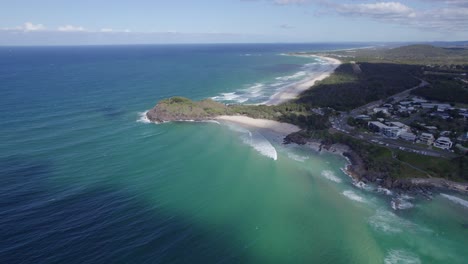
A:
(332, 111)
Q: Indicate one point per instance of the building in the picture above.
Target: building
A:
(381, 109)
(376, 126)
(399, 125)
(438, 106)
(426, 138)
(408, 136)
(391, 131)
(443, 143)
(388, 131)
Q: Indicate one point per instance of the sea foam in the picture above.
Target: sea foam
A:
(297, 157)
(330, 176)
(401, 257)
(456, 200)
(142, 118)
(353, 196)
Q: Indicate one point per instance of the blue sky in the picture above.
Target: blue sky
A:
(58, 22)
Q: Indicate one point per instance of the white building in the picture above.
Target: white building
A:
(443, 143)
(426, 138)
(407, 136)
(389, 131)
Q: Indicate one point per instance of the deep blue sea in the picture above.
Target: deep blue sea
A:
(84, 179)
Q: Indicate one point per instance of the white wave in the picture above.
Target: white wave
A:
(293, 76)
(230, 97)
(353, 196)
(259, 93)
(143, 118)
(331, 176)
(388, 222)
(399, 203)
(211, 121)
(384, 191)
(456, 200)
(401, 257)
(362, 185)
(297, 157)
(255, 140)
(260, 144)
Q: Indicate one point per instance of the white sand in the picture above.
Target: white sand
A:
(292, 91)
(278, 127)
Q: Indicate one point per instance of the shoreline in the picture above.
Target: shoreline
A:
(283, 129)
(294, 90)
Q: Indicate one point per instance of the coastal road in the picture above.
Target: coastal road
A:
(340, 125)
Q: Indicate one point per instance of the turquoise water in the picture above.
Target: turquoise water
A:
(84, 180)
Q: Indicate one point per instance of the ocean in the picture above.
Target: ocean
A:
(85, 179)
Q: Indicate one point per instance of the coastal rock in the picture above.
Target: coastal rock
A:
(183, 109)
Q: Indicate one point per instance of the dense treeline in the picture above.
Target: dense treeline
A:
(346, 90)
(412, 54)
(444, 89)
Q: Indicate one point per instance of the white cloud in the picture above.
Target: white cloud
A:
(450, 17)
(70, 28)
(28, 26)
(382, 10)
(107, 30)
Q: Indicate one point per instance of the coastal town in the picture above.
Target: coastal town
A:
(408, 124)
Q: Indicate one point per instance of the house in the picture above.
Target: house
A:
(407, 136)
(443, 143)
(426, 138)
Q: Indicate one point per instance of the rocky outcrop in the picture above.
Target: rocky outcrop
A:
(358, 170)
(183, 109)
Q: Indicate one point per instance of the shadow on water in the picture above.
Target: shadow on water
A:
(40, 223)
(110, 111)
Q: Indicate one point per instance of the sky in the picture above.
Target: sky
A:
(94, 22)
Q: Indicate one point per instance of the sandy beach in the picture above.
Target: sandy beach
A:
(275, 126)
(292, 91)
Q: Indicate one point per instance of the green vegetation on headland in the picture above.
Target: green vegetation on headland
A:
(366, 76)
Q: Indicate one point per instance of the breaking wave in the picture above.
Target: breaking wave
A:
(255, 140)
(401, 257)
(142, 118)
(456, 200)
(261, 92)
(388, 222)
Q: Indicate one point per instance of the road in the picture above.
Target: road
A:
(340, 125)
